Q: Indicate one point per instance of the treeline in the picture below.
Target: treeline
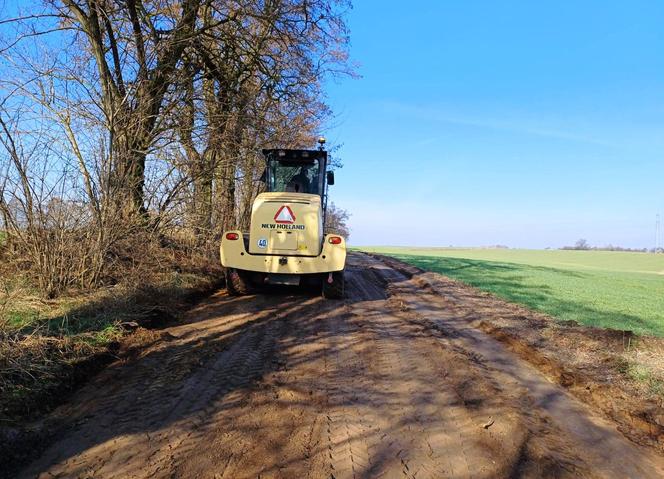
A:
(583, 245)
(128, 120)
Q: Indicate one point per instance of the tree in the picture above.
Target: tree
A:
(336, 221)
(581, 244)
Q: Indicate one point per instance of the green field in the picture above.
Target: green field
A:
(599, 288)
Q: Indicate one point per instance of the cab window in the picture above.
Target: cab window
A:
(294, 176)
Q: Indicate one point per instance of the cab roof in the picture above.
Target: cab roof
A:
(294, 155)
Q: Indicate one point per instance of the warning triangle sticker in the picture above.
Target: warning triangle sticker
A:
(284, 215)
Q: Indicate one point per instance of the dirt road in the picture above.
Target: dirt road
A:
(387, 383)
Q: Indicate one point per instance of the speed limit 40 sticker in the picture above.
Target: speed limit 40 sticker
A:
(262, 242)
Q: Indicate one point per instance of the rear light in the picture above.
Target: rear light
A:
(334, 240)
(232, 236)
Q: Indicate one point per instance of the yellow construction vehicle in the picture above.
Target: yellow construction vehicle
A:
(286, 242)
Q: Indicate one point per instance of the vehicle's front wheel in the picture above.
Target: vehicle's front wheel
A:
(334, 289)
(237, 282)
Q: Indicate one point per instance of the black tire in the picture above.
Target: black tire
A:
(237, 282)
(335, 289)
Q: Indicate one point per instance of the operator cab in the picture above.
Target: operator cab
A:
(297, 171)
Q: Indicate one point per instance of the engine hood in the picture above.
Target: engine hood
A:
(287, 224)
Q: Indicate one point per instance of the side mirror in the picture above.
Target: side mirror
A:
(263, 178)
(330, 177)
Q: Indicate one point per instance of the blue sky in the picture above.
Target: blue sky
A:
(529, 124)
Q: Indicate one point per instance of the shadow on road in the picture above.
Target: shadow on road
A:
(183, 377)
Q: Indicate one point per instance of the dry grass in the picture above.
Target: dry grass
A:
(47, 346)
(644, 363)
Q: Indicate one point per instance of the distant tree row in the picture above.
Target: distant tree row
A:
(583, 245)
(135, 117)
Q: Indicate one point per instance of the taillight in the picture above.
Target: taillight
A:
(334, 240)
(232, 236)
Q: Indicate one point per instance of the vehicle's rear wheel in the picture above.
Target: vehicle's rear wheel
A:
(335, 289)
(238, 282)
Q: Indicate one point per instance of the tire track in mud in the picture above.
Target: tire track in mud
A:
(382, 384)
(165, 445)
(371, 449)
(238, 367)
(348, 452)
(144, 411)
(273, 428)
(382, 364)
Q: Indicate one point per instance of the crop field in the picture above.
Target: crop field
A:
(619, 290)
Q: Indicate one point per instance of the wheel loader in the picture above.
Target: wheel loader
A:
(286, 243)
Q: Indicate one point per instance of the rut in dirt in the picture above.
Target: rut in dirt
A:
(386, 383)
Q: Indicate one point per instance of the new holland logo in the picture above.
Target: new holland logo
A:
(284, 215)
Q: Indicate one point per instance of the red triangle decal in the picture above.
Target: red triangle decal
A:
(285, 215)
